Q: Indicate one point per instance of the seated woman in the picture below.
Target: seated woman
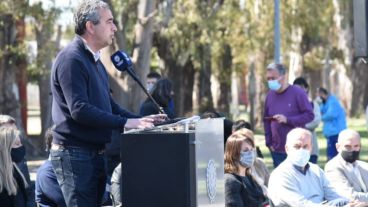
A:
(241, 189)
(12, 182)
(162, 93)
(259, 169)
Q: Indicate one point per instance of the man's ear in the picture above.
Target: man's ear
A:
(337, 147)
(286, 149)
(89, 27)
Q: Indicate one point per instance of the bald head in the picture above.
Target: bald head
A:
(298, 138)
(349, 140)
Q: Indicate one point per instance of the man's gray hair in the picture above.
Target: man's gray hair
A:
(296, 133)
(347, 133)
(88, 10)
(279, 67)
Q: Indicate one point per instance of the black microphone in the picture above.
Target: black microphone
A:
(122, 62)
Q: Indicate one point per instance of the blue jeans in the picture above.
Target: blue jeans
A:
(81, 175)
(313, 159)
(331, 147)
(278, 157)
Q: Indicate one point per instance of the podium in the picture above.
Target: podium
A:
(174, 168)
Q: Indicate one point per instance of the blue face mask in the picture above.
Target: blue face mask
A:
(247, 158)
(274, 85)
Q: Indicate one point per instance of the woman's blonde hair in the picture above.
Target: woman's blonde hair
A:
(8, 135)
(233, 149)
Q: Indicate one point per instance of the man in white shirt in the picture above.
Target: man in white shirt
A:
(296, 182)
(345, 172)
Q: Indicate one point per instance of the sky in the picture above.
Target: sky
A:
(66, 17)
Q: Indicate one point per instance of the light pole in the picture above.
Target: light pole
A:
(277, 31)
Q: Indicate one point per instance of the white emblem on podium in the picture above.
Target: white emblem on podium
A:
(211, 180)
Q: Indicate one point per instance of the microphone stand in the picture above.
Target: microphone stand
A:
(134, 76)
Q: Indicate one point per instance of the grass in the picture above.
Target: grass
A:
(358, 124)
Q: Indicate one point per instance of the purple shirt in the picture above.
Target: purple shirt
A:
(292, 103)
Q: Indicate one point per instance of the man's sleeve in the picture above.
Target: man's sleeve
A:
(340, 182)
(283, 191)
(73, 82)
(305, 112)
(317, 117)
(331, 194)
(267, 125)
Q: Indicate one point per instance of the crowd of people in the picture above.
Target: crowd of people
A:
(84, 169)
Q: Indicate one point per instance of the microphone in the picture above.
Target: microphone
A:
(122, 62)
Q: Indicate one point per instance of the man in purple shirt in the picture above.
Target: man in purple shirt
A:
(286, 107)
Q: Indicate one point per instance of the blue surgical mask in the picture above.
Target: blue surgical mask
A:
(274, 85)
(299, 157)
(247, 158)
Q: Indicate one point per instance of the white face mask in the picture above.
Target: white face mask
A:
(299, 157)
(150, 86)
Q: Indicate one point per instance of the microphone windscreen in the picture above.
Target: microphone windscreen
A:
(121, 60)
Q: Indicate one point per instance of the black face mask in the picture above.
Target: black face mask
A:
(350, 156)
(17, 154)
(323, 100)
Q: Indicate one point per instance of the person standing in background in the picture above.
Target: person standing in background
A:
(333, 118)
(311, 126)
(286, 107)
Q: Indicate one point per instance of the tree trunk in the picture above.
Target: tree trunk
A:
(46, 51)
(8, 87)
(203, 101)
(21, 73)
(225, 80)
(360, 94)
(343, 19)
(142, 52)
(180, 74)
(119, 82)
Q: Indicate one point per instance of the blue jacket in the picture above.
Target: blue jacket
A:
(333, 117)
(83, 110)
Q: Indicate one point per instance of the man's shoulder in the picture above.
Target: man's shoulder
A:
(333, 163)
(362, 164)
(297, 91)
(316, 169)
(283, 169)
(72, 52)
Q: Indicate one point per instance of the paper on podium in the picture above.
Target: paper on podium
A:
(167, 124)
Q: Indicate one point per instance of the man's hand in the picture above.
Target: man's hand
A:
(357, 203)
(139, 123)
(157, 118)
(280, 118)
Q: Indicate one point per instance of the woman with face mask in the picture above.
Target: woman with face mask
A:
(241, 189)
(12, 182)
(259, 170)
(162, 93)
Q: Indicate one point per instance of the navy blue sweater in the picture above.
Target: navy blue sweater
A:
(82, 110)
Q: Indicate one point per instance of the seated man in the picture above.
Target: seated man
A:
(295, 182)
(347, 174)
(48, 191)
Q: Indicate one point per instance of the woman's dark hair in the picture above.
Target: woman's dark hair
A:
(301, 82)
(240, 124)
(162, 92)
(322, 90)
